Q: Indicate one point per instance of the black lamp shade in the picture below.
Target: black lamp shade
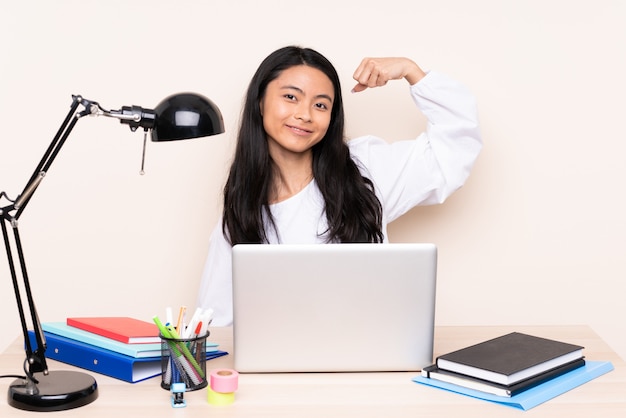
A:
(185, 116)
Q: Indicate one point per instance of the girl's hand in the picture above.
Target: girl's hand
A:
(376, 72)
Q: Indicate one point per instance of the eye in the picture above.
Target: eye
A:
(322, 106)
(290, 97)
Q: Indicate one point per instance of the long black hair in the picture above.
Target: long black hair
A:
(353, 211)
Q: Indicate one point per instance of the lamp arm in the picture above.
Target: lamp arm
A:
(48, 158)
(38, 362)
(35, 359)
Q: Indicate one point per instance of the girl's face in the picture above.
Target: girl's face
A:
(296, 111)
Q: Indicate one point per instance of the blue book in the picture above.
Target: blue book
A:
(536, 395)
(133, 350)
(106, 362)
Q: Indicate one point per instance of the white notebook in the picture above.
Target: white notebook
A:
(333, 307)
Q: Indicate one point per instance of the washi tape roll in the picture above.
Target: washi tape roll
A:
(216, 398)
(224, 380)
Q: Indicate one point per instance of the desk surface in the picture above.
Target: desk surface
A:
(345, 394)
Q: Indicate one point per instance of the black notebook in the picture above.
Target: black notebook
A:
(433, 372)
(510, 358)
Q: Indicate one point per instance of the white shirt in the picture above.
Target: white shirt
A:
(422, 171)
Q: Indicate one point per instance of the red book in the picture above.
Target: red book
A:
(119, 328)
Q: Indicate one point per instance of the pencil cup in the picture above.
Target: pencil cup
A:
(183, 360)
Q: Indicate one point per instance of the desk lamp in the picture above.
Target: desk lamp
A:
(180, 116)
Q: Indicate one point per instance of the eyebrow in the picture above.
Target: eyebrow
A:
(298, 89)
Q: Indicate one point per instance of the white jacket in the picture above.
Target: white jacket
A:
(422, 171)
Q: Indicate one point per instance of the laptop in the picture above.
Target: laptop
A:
(333, 307)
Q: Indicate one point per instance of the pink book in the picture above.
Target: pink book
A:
(119, 328)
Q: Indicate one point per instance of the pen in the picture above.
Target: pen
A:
(206, 317)
(199, 349)
(162, 328)
(188, 332)
(169, 317)
(197, 330)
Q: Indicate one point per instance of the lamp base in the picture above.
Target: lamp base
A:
(57, 391)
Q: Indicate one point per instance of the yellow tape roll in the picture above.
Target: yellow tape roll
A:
(216, 398)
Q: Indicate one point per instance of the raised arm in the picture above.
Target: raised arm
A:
(430, 168)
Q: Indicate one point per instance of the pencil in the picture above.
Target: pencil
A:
(181, 316)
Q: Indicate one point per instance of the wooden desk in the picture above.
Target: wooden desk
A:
(345, 394)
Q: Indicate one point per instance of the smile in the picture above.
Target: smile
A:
(299, 130)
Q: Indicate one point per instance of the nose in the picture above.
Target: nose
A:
(303, 113)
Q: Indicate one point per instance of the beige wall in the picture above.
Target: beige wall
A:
(537, 235)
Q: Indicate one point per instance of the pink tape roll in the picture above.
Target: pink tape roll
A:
(224, 380)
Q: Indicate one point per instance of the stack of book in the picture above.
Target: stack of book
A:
(513, 365)
(125, 348)
(508, 364)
